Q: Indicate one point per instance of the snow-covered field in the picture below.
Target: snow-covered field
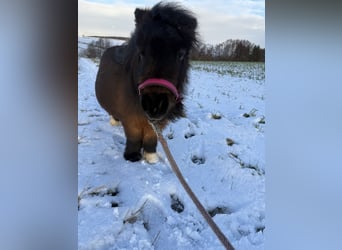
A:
(219, 148)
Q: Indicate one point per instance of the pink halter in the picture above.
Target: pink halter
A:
(160, 82)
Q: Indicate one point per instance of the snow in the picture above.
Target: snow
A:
(219, 148)
(85, 40)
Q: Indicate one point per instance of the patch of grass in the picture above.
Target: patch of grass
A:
(243, 164)
(254, 167)
(216, 116)
(219, 210)
(132, 217)
(259, 122)
(251, 113)
(262, 120)
(103, 191)
(189, 134)
(99, 192)
(230, 142)
(260, 229)
(249, 70)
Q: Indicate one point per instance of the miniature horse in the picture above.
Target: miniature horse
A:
(144, 80)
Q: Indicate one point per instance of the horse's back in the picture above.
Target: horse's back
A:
(110, 76)
(117, 54)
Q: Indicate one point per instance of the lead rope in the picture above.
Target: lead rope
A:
(187, 188)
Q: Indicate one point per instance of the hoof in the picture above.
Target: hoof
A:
(114, 122)
(135, 156)
(151, 158)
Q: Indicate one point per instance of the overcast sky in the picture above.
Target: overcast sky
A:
(218, 20)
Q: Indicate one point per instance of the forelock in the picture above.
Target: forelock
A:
(178, 18)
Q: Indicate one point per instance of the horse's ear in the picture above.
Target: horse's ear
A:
(139, 15)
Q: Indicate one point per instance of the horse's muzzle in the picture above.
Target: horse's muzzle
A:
(155, 105)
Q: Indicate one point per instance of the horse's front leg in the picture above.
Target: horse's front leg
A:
(150, 141)
(133, 142)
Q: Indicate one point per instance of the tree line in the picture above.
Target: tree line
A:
(96, 48)
(230, 50)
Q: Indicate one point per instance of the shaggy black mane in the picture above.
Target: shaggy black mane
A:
(171, 14)
(176, 26)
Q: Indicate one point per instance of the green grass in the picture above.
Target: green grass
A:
(250, 70)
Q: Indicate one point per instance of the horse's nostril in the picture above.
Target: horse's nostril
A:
(163, 104)
(155, 105)
(145, 101)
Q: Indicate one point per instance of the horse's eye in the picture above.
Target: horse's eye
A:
(181, 54)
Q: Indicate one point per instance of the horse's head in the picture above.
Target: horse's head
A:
(162, 41)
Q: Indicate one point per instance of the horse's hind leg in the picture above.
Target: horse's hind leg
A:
(114, 122)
